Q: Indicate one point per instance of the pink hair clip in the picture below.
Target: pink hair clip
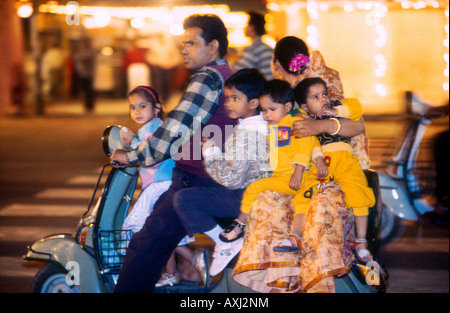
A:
(298, 62)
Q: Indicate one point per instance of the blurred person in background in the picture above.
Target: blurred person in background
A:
(163, 55)
(53, 67)
(84, 66)
(137, 70)
(258, 55)
(439, 216)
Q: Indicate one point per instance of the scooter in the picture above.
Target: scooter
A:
(406, 182)
(89, 261)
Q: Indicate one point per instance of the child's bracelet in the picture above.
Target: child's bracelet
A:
(338, 126)
(131, 139)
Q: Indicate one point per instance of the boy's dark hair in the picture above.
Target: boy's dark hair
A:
(212, 28)
(279, 91)
(249, 81)
(302, 88)
(258, 21)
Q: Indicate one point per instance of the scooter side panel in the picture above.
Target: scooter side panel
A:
(395, 198)
(62, 249)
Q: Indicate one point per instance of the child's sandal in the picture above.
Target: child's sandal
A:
(236, 223)
(363, 255)
(285, 248)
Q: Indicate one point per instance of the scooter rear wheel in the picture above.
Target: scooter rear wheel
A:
(391, 226)
(51, 279)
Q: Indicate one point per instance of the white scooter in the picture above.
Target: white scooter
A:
(406, 181)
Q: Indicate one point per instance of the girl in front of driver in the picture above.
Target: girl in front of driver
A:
(146, 110)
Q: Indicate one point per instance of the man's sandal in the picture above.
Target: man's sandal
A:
(363, 255)
(285, 247)
(236, 223)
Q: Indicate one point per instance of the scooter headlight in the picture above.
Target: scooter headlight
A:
(111, 140)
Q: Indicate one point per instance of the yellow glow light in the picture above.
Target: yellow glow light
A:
(102, 18)
(71, 8)
(25, 10)
(89, 22)
(324, 7)
(137, 23)
(349, 8)
(406, 4)
(381, 90)
(176, 29)
(312, 10)
(381, 40)
(107, 51)
(272, 6)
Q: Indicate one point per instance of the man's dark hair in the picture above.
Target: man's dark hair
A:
(257, 20)
(249, 81)
(212, 28)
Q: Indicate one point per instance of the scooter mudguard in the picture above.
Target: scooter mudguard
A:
(395, 198)
(60, 249)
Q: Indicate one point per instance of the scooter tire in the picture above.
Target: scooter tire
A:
(391, 226)
(51, 279)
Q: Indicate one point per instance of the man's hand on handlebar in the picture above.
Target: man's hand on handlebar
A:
(119, 158)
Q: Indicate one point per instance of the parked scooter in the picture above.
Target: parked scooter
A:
(89, 261)
(406, 181)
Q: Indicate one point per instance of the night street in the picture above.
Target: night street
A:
(49, 166)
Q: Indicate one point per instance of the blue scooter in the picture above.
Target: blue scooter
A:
(89, 260)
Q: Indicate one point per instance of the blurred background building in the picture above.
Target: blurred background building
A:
(380, 48)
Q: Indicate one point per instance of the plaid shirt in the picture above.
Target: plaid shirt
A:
(200, 101)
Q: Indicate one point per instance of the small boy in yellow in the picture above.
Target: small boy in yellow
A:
(289, 156)
(343, 167)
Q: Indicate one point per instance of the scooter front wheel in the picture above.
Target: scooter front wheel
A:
(52, 279)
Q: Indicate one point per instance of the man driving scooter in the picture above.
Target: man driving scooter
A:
(205, 44)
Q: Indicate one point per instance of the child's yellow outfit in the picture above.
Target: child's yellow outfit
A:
(343, 168)
(285, 152)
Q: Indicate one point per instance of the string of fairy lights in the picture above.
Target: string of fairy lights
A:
(94, 17)
(376, 11)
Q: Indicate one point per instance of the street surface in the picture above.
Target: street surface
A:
(49, 167)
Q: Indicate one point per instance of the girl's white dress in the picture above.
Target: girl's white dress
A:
(155, 180)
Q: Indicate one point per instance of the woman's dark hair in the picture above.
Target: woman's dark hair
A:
(151, 95)
(288, 48)
(302, 88)
(279, 91)
(258, 21)
(249, 81)
(212, 29)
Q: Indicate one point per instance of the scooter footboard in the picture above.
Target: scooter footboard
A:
(63, 251)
